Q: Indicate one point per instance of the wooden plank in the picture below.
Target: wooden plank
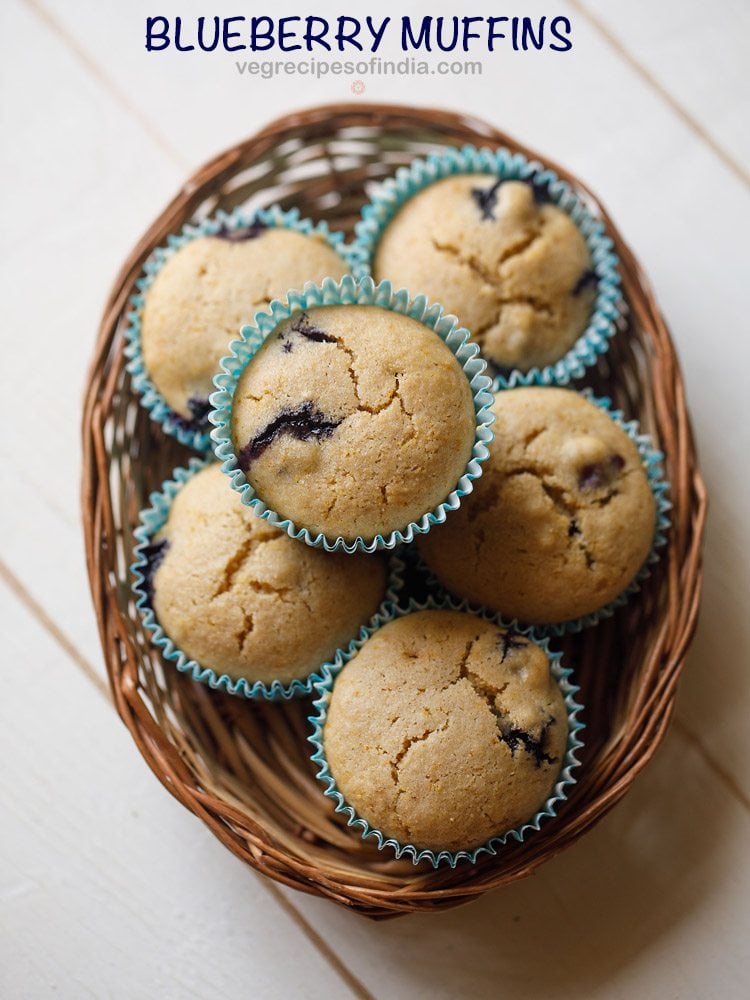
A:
(43, 547)
(696, 59)
(96, 896)
(73, 214)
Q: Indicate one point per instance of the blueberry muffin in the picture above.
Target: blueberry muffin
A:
(207, 290)
(239, 596)
(353, 420)
(562, 519)
(445, 730)
(513, 267)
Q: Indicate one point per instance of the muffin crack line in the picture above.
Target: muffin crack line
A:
(232, 568)
(410, 741)
(513, 736)
(563, 505)
(248, 624)
(488, 692)
(493, 279)
(304, 328)
(476, 267)
(362, 406)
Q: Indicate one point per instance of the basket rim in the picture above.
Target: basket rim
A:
(366, 892)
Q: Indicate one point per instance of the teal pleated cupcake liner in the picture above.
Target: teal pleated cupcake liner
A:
(151, 399)
(324, 687)
(153, 519)
(652, 462)
(351, 292)
(410, 180)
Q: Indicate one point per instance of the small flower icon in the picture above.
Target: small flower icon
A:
(358, 87)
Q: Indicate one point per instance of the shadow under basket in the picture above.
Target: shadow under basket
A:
(244, 768)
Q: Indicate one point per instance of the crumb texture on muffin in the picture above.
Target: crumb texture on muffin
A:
(513, 267)
(238, 595)
(562, 519)
(207, 290)
(445, 730)
(353, 420)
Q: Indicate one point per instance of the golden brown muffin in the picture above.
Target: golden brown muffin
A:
(562, 519)
(445, 730)
(240, 596)
(353, 420)
(517, 273)
(207, 290)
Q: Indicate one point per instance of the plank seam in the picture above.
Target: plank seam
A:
(693, 124)
(68, 647)
(14, 584)
(354, 984)
(725, 777)
(109, 85)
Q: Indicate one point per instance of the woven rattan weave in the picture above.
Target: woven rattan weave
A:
(243, 767)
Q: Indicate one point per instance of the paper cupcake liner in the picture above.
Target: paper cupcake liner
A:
(324, 687)
(173, 423)
(408, 181)
(652, 463)
(152, 519)
(351, 292)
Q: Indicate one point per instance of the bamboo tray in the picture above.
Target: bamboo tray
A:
(242, 767)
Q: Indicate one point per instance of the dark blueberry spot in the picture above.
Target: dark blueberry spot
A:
(154, 554)
(573, 528)
(305, 328)
(540, 190)
(588, 279)
(486, 199)
(516, 738)
(511, 639)
(286, 346)
(250, 232)
(303, 423)
(591, 477)
(200, 408)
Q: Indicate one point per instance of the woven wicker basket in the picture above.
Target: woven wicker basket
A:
(242, 767)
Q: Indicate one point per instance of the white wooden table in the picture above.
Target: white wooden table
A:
(108, 888)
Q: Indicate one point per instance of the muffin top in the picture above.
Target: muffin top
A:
(240, 596)
(562, 518)
(353, 420)
(515, 271)
(445, 730)
(207, 290)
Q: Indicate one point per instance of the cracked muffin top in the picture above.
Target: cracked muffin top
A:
(445, 730)
(353, 420)
(238, 595)
(207, 290)
(513, 267)
(562, 518)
